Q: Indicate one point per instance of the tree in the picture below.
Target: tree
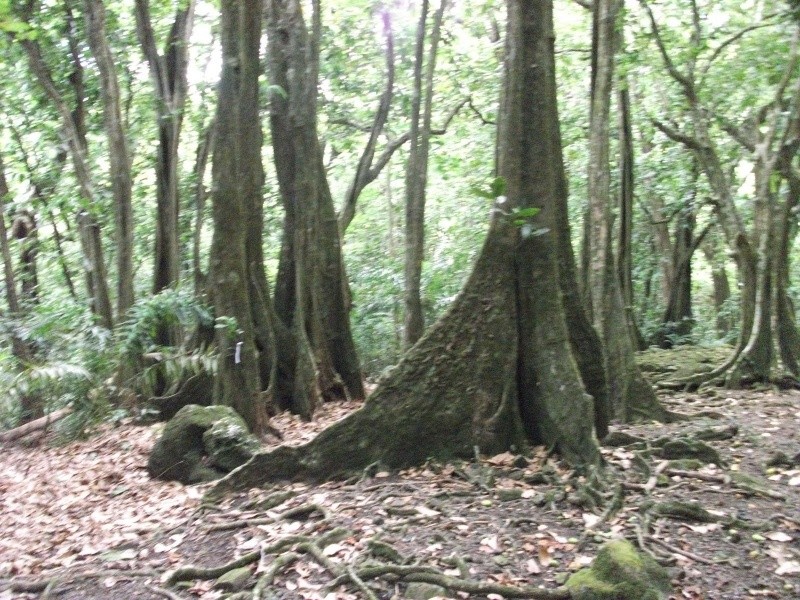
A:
(168, 72)
(311, 291)
(496, 369)
(771, 135)
(74, 126)
(119, 156)
(237, 200)
(417, 172)
(631, 395)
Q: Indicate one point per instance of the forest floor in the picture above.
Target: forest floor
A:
(85, 520)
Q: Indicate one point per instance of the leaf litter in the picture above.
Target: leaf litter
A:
(90, 507)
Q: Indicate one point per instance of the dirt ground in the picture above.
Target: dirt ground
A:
(87, 522)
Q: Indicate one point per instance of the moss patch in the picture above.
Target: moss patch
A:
(620, 572)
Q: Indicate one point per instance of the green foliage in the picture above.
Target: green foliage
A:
(149, 317)
(71, 361)
(142, 347)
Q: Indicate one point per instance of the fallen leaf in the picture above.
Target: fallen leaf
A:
(532, 567)
(790, 567)
(779, 536)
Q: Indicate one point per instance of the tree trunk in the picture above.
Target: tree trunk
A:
(786, 330)
(631, 395)
(238, 176)
(417, 174)
(311, 292)
(119, 157)
(626, 190)
(204, 150)
(74, 127)
(496, 369)
(31, 404)
(168, 73)
(721, 287)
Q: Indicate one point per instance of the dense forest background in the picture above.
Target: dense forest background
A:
(108, 136)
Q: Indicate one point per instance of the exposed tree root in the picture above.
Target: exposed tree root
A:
(48, 584)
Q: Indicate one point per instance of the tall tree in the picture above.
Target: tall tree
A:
(497, 368)
(311, 291)
(631, 394)
(771, 135)
(417, 170)
(74, 126)
(168, 71)
(118, 154)
(237, 203)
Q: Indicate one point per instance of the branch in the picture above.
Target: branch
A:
(673, 71)
(479, 114)
(450, 116)
(676, 136)
(732, 40)
(363, 170)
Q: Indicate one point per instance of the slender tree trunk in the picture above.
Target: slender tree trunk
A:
(721, 288)
(417, 173)
(73, 124)
(168, 72)
(204, 150)
(32, 406)
(119, 157)
(626, 165)
(631, 394)
(496, 369)
(311, 292)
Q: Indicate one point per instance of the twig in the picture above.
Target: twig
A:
(685, 553)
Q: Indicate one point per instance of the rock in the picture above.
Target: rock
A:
(424, 591)
(679, 449)
(508, 494)
(620, 572)
(234, 580)
(184, 453)
(619, 439)
(229, 443)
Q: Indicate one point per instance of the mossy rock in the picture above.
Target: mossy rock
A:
(229, 443)
(188, 453)
(685, 448)
(620, 572)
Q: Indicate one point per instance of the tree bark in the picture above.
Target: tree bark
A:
(118, 154)
(417, 173)
(238, 176)
(631, 395)
(311, 291)
(496, 370)
(168, 72)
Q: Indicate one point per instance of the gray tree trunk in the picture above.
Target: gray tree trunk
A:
(168, 73)
(238, 175)
(119, 156)
(311, 291)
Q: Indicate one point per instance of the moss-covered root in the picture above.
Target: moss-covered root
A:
(620, 572)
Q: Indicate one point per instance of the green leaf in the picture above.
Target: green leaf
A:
(498, 187)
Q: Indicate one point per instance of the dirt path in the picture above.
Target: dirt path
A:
(88, 518)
